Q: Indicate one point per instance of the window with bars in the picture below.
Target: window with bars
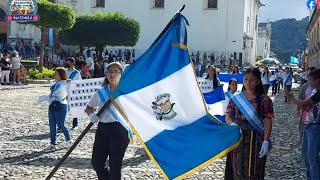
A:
(159, 4)
(100, 3)
(212, 4)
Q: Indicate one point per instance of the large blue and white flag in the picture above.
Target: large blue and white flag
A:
(161, 99)
(216, 100)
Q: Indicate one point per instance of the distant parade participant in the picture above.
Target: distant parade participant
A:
(274, 81)
(73, 74)
(249, 159)
(111, 138)
(287, 81)
(265, 79)
(213, 77)
(58, 108)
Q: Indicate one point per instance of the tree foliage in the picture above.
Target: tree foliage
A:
(54, 16)
(101, 29)
(288, 37)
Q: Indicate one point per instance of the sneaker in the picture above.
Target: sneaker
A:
(8, 84)
(59, 131)
(14, 83)
(68, 144)
(19, 83)
(52, 147)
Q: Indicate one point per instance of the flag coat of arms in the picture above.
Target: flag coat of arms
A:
(160, 97)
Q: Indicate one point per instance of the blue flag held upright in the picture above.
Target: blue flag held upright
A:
(161, 99)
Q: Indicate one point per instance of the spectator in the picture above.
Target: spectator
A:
(23, 75)
(16, 63)
(90, 64)
(5, 65)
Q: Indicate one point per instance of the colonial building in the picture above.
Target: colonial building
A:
(264, 40)
(221, 26)
(313, 31)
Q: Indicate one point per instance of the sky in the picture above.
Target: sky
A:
(283, 9)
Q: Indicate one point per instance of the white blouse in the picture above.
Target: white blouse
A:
(95, 102)
(59, 92)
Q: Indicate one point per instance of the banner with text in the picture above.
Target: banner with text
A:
(80, 93)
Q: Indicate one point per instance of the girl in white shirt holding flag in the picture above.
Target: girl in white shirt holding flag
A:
(111, 138)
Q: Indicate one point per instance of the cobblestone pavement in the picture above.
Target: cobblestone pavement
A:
(24, 133)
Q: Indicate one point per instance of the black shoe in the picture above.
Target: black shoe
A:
(285, 100)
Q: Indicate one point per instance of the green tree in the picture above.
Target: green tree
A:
(55, 16)
(101, 29)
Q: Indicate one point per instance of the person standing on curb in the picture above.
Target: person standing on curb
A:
(5, 69)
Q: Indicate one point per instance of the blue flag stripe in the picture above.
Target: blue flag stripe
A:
(195, 148)
(158, 54)
(226, 77)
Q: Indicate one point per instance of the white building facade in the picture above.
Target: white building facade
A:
(264, 40)
(221, 26)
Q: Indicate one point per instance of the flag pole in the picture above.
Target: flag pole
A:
(104, 107)
(168, 25)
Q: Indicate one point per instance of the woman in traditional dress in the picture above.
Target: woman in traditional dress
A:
(248, 160)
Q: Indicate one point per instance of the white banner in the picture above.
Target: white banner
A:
(205, 85)
(80, 93)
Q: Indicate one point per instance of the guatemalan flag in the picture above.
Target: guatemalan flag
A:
(162, 101)
(217, 100)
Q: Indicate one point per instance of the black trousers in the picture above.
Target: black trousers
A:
(74, 122)
(266, 88)
(274, 89)
(111, 141)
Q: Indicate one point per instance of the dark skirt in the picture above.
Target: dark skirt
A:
(244, 163)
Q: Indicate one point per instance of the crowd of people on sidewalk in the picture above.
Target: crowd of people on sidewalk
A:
(12, 72)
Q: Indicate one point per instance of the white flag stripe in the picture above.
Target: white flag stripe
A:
(188, 108)
(218, 108)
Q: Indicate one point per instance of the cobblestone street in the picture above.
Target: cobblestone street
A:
(24, 133)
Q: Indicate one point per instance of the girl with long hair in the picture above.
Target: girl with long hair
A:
(212, 76)
(249, 159)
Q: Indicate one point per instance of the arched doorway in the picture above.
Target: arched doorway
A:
(3, 26)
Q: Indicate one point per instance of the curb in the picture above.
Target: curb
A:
(40, 81)
(15, 87)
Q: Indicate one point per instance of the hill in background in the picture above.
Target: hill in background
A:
(288, 37)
